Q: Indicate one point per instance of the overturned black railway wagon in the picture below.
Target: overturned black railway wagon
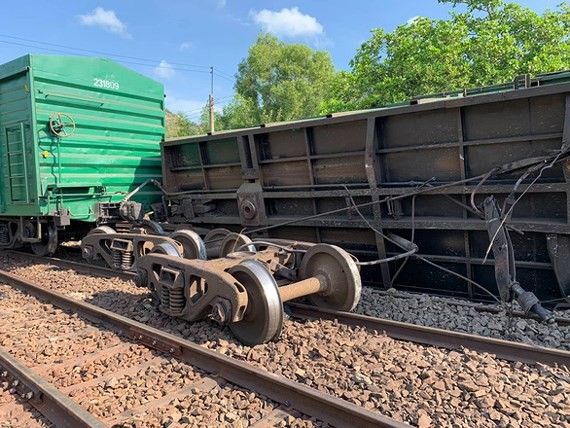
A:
(445, 193)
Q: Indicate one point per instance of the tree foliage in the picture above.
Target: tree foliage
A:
(178, 125)
(481, 43)
(279, 81)
(491, 42)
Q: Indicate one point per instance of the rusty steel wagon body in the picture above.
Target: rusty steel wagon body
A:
(446, 193)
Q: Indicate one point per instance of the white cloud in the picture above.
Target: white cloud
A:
(105, 19)
(220, 4)
(412, 20)
(192, 108)
(287, 22)
(184, 46)
(164, 70)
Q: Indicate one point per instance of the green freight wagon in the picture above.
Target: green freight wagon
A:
(77, 134)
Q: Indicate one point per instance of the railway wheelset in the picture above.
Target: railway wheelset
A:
(230, 278)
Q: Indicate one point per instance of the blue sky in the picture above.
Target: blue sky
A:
(176, 41)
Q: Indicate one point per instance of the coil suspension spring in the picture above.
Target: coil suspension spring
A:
(165, 297)
(176, 299)
(127, 260)
(117, 259)
(123, 259)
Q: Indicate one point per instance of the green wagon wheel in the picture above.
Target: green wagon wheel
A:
(192, 244)
(236, 242)
(213, 241)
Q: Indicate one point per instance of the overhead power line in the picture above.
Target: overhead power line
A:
(118, 60)
(99, 52)
(224, 77)
(205, 68)
(206, 104)
(199, 115)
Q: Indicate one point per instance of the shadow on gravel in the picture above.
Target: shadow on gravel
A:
(143, 308)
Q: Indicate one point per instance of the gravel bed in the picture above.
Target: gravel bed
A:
(421, 385)
(62, 346)
(130, 391)
(443, 313)
(225, 407)
(66, 375)
(16, 414)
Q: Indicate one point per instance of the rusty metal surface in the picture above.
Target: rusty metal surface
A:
(241, 287)
(410, 169)
(52, 403)
(511, 351)
(334, 411)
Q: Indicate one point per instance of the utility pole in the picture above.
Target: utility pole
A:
(211, 100)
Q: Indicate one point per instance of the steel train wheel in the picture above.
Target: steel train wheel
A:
(166, 248)
(263, 318)
(152, 227)
(213, 241)
(339, 270)
(236, 242)
(48, 245)
(87, 252)
(194, 247)
(101, 229)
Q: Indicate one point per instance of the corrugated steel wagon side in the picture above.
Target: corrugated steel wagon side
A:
(422, 171)
(76, 135)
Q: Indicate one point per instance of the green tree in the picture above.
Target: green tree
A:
(279, 81)
(491, 42)
(178, 125)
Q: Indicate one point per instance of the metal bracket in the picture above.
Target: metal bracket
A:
(505, 270)
(559, 252)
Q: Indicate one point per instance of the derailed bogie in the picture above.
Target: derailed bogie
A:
(247, 289)
(123, 250)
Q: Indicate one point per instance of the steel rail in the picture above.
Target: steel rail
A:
(107, 272)
(334, 411)
(49, 401)
(508, 350)
(504, 349)
(81, 267)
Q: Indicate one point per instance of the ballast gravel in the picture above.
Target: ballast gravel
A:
(110, 378)
(450, 314)
(421, 385)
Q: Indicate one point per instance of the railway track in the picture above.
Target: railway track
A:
(507, 350)
(511, 351)
(189, 370)
(374, 371)
(481, 307)
(106, 272)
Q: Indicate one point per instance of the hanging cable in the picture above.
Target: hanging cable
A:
(508, 214)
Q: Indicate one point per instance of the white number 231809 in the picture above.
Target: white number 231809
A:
(105, 84)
